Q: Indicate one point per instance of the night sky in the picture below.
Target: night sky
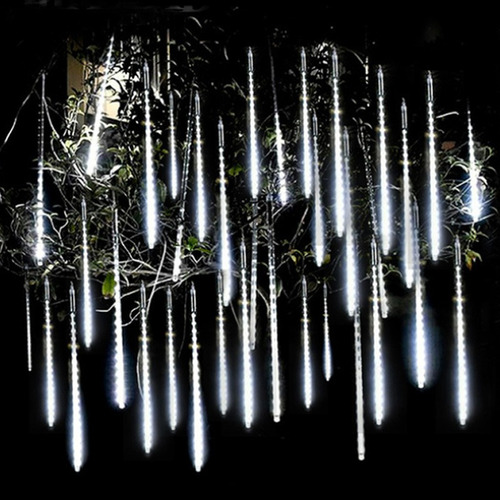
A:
(420, 446)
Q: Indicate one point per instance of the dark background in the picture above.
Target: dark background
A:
(420, 445)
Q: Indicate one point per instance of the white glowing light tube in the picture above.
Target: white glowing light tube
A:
(120, 393)
(247, 382)
(280, 158)
(50, 387)
(28, 324)
(434, 203)
(306, 138)
(351, 277)
(174, 168)
(252, 124)
(198, 421)
(378, 367)
(178, 253)
(150, 195)
(225, 262)
(147, 403)
(171, 365)
(475, 207)
(222, 348)
(273, 320)
(253, 280)
(319, 226)
(384, 301)
(77, 438)
(99, 110)
(358, 363)
(420, 333)
(384, 193)
(408, 265)
(39, 225)
(327, 346)
(461, 352)
(86, 290)
(201, 216)
(306, 349)
(337, 149)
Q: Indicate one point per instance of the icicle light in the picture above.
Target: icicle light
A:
(29, 352)
(88, 327)
(358, 364)
(174, 167)
(50, 382)
(305, 126)
(171, 365)
(252, 132)
(306, 349)
(145, 370)
(201, 216)
(319, 226)
(475, 205)
(222, 348)
(327, 346)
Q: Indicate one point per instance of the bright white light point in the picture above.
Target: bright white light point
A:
(358, 361)
(174, 174)
(306, 348)
(119, 361)
(306, 138)
(222, 346)
(384, 198)
(337, 147)
(28, 324)
(273, 319)
(147, 405)
(408, 265)
(171, 364)
(87, 294)
(198, 429)
(151, 195)
(319, 228)
(434, 205)
(253, 149)
(245, 344)
(178, 253)
(94, 141)
(77, 443)
(49, 360)
(327, 347)
(462, 369)
(475, 197)
(351, 278)
(378, 368)
(419, 325)
(40, 245)
(225, 247)
(201, 216)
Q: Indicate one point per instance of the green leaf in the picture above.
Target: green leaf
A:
(108, 286)
(235, 171)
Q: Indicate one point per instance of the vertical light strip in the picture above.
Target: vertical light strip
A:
(306, 138)
(337, 150)
(358, 363)
(88, 326)
(77, 439)
(253, 278)
(198, 429)
(408, 265)
(174, 173)
(252, 124)
(273, 320)
(99, 111)
(246, 352)
(119, 361)
(222, 348)
(201, 216)
(225, 246)
(327, 346)
(460, 339)
(40, 230)
(171, 365)
(475, 197)
(28, 324)
(384, 301)
(378, 368)
(306, 349)
(150, 195)
(147, 404)
(434, 203)
(384, 190)
(50, 383)
(351, 271)
(319, 227)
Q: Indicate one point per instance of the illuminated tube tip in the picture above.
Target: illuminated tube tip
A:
(72, 306)
(220, 129)
(380, 82)
(197, 104)
(250, 60)
(303, 62)
(335, 63)
(404, 115)
(430, 87)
